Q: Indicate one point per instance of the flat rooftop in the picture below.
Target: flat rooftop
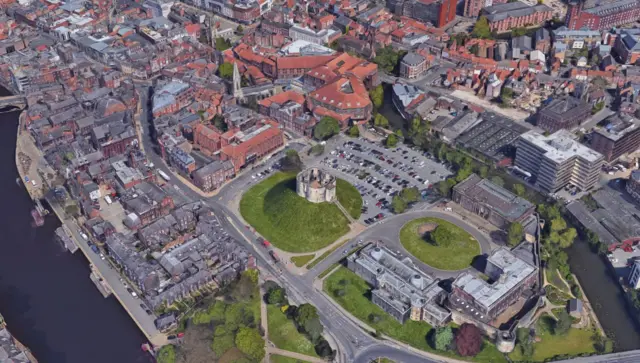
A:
(560, 146)
(616, 126)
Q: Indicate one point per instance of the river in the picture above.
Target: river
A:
(46, 296)
(601, 288)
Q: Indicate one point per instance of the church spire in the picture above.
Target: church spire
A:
(237, 82)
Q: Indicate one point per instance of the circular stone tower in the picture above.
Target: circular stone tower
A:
(316, 185)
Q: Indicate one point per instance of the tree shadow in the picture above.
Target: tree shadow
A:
(479, 262)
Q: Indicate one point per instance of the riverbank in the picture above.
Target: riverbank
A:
(15, 350)
(49, 303)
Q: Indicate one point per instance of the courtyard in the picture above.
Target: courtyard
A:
(439, 244)
(290, 222)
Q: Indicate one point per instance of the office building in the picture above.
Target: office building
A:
(492, 202)
(563, 113)
(619, 136)
(557, 160)
(400, 288)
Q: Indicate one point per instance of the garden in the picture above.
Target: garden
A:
(439, 244)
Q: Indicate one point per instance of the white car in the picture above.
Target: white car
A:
(253, 176)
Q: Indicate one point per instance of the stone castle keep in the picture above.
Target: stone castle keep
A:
(316, 185)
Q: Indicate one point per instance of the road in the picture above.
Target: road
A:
(354, 344)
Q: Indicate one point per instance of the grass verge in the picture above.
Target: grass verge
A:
(300, 261)
(325, 254)
(289, 221)
(457, 254)
(282, 359)
(283, 333)
(349, 197)
(354, 298)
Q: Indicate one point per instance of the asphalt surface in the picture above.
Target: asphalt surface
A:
(354, 344)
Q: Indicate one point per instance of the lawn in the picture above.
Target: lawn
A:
(325, 254)
(575, 342)
(300, 261)
(356, 300)
(288, 221)
(455, 255)
(282, 359)
(349, 197)
(283, 333)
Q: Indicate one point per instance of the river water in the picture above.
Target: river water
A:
(601, 288)
(46, 296)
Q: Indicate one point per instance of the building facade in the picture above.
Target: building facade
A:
(557, 160)
(400, 289)
(492, 202)
(413, 65)
(504, 17)
(620, 136)
(601, 16)
(563, 113)
(210, 177)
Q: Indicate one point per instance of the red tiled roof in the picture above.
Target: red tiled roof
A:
(283, 97)
(305, 62)
(334, 93)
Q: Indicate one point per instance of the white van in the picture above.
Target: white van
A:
(107, 199)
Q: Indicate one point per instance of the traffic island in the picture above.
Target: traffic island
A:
(439, 243)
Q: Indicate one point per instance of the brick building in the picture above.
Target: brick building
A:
(627, 46)
(563, 113)
(413, 65)
(210, 177)
(472, 8)
(208, 139)
(344, 99)
(619, 136)
(504, 17)
(590, 15)
(244, 148)
(492, 202)
(288, 109)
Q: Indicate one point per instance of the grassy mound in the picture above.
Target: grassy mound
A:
(454, 251)
(288, 221)
(349, 197)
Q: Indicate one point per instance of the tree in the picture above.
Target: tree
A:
(497, 181)
(515, 233)
(410, 195)
(468, 340)
(239, 29)
(353, 131)
(441, 236)
(518, 32)
(216, 311)
(377, 96)
(313, 328)
(597, 107)
(250, 342)
(291, 161)
(524, 341)
(481, 29)
(226, 71)
(222, 44)
(71, 210)
(276, 296)
(316, 150)
(166, 354)
(305, 313)
(506, 96)
(519, 190)
(223, 340)
(323, 349)
(373, 318)
(219, 123)
(245, 287)
(392, 140)
(234, 317)
(387, 58)
(443, 337)
(563, 324)
(398, 205)
(327, 127)
(483, 171)
(381, 121)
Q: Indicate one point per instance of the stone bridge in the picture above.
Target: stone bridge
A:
(15, 101)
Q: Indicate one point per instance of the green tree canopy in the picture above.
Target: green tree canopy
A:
(327, 127)
(519, 190)
(377, 96)
(250, 342)
(223, 340)
(410, 194)
(443, 337)
(441, 236)
(166, 354)
(497, 181)
(398, 204)
(226, 71)
(481, 29)
(291, 161)
(563, 324)
(276, 296)
(305, 313)
(392, 140)
(222, 44)
(353, 131)
(387, 58)
(380, 121)
(515, 233)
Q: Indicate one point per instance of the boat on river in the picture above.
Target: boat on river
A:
(37, 217)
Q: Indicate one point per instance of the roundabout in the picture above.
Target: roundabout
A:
(438, 243)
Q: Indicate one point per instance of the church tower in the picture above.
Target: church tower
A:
(237, 82)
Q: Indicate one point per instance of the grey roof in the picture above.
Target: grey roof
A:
(514, 271)
(522, 42)
(631, 41)
(413, 59)
(618, 125)
(212, 168)
(512, 10)
(495, 197)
